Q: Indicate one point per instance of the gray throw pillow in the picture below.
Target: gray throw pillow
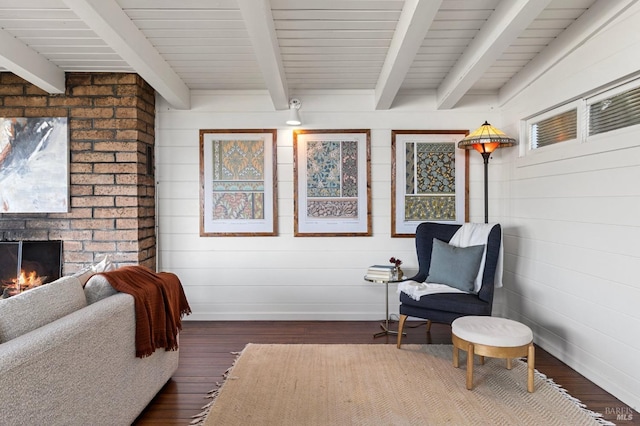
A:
(455, 266)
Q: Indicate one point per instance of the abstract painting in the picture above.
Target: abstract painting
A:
(331, 183)
(34, 165)
(238, 182)
(428, 179)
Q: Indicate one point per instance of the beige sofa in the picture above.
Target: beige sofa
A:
(66, 361)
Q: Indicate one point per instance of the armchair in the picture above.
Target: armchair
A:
(446, 307)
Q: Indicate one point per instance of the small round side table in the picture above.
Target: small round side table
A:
(384, 326)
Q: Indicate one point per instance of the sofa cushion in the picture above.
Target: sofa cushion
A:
(97, 288)
(34, 308)
(455, 266)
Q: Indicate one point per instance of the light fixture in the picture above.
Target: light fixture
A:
(294, 116)
(485, 140)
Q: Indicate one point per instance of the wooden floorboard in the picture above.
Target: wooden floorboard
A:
(207, 350)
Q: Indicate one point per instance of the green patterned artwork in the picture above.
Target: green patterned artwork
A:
(331, 177)
(435, 168)
(430, 208)
(430, 181)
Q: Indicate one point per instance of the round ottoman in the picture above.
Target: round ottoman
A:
(493, 337)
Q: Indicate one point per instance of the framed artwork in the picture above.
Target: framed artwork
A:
(34, 165)
(238, 186)
(332, 190)
(429, 179)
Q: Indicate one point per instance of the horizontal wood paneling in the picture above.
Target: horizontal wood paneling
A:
(573, 222)
(285, 277)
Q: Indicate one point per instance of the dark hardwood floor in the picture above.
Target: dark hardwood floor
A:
(207, 351)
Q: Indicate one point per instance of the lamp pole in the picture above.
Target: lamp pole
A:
(485, 157)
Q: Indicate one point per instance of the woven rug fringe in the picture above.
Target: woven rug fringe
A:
(595, 415)
(199, 418)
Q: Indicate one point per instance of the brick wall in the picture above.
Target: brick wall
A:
(112, 195)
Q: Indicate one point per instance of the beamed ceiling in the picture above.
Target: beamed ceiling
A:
(445, 47)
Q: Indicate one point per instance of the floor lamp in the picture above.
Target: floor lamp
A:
(486, 139)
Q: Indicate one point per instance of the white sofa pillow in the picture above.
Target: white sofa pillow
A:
(97, 288)
(34, 308)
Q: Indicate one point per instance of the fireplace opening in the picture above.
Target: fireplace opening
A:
(28, 264)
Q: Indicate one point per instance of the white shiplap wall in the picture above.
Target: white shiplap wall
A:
(287, 277)
(572, 225)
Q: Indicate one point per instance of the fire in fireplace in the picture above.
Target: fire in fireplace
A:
(28, 264)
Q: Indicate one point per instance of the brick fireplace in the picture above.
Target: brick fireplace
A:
(112, 192)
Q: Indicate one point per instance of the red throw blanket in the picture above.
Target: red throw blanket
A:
(160, 303)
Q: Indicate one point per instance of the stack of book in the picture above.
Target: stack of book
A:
(380, 273)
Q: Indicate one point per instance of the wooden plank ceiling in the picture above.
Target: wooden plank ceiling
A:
(446, 47)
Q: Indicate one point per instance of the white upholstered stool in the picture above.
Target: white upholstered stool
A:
(493, 337)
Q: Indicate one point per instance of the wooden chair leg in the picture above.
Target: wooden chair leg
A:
(428, 326)
(401, 321)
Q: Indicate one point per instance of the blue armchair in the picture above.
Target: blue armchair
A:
(446, 307)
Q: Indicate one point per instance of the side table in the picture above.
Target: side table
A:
(385, 325)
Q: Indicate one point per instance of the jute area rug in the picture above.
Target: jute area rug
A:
(308, 384)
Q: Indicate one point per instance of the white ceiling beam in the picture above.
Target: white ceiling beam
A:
(585, 27)
(113, 26)
(505, 24)
(25, 62)
(259, 22)
(414, 22)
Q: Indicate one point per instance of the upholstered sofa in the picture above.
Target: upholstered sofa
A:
(67, 357)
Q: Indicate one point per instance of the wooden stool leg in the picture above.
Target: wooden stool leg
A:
(531, 361)
(401, 321)
(470, 366)
(509, 365)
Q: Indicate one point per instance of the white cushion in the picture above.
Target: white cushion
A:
(34, 308)
(104, 265)
(97, 288)
(492, 331)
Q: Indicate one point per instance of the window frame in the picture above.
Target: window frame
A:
(577, 105)
(600, 96)
(583, 144)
